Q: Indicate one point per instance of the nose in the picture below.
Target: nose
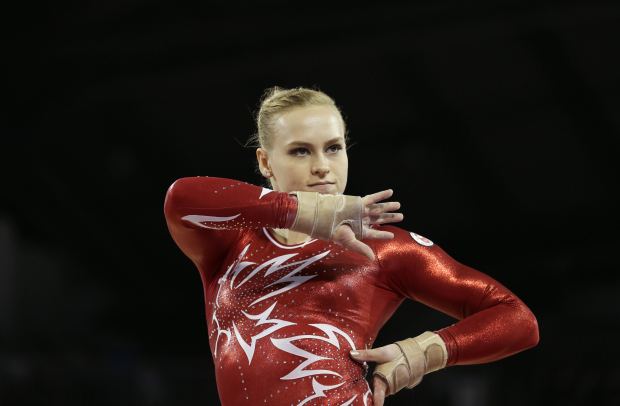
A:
(320, 166)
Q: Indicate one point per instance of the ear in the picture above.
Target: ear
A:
(263, 161)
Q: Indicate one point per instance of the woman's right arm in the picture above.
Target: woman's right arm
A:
(204, 214)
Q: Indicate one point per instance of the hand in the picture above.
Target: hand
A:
(379, 355)
(374, 213)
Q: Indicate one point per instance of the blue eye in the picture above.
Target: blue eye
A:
(335, 147)
(299, 151)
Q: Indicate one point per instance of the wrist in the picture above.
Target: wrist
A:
(318, 215)
(420, 355)
(434, 349)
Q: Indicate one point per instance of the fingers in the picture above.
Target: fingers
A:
(344, 236)
(380, 213)
(376, 197)
(379, 354)
(386, 218)
(379, 388)
(378, 208)
(378, 234)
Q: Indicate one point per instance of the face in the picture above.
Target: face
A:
(307, 151)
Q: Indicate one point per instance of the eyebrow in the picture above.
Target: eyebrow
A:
(333, 140)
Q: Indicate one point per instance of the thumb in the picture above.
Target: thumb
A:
(380, 355)
(360, 247)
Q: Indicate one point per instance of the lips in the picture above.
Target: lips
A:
(322, 187)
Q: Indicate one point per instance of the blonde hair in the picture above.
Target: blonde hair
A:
(276, 101)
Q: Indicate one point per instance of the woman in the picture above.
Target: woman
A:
(299, 278)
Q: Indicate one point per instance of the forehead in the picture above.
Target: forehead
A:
(309, 124)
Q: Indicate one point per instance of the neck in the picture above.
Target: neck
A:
(289, 237)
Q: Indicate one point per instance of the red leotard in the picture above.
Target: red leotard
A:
(283, 318)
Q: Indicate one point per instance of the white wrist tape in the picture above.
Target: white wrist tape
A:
(318, 215)
(420, 355)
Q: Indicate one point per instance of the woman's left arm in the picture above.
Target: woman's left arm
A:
(493, 322)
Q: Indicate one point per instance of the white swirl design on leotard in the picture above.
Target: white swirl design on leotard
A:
(200, 220)
(264, 192)
(291, 279)
(299, 372)
(262, 319)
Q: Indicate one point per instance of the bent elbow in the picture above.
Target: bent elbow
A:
(168, 201)
(171, 200)
(530, 329)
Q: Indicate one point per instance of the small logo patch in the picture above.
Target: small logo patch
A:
(421, 240)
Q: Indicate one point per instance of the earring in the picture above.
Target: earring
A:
(267, 174)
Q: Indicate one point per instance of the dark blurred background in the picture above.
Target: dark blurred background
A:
(495, 122)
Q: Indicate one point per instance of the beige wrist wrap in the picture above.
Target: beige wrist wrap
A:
(318, 215)
(420, 355)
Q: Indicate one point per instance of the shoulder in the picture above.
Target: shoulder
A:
(405, 260)
(403, 236)
(418, 238)
(406, 245)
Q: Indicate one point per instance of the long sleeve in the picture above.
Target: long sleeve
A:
(206, 214)
(494, 322)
